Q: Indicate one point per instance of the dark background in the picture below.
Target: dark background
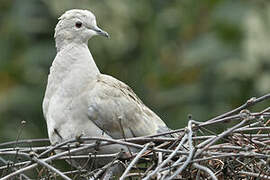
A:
(180, 56)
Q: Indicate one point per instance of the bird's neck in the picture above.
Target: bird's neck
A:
(65, 38)
(72, 69)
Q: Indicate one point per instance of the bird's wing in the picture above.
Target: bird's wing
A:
(116, 109)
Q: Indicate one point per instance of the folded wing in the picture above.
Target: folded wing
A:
(116, 109)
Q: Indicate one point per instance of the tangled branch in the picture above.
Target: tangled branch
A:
(199, 152)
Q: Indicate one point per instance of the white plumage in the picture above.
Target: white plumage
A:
(79, 100)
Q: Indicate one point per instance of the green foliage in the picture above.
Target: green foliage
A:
(180, 57)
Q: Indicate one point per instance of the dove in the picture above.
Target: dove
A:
(80, 100)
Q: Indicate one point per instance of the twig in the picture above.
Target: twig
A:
(215, 139)
(24, 141)
(246, 143)
(250, 102)
(134, 161)
(19, 133)
(191, 152)
(166, 160)
(203, 168)
(13, 168)
(44, 164)
(257, 175)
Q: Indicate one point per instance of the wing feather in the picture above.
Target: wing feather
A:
(117, 110)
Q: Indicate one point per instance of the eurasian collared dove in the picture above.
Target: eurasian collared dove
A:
(79, 100)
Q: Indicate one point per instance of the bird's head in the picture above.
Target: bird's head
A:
(77, 25)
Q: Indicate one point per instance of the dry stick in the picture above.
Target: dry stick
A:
(265, 110)
(202, 144)
(139, 139)
(166, 160)
(160, 159)
(123, 142)
(203, 168)
(166, 133)
(150, 139)
(75, 171)
(135, 145)
(87, 156)
(214, 156)
(198, 175)
(134, 161)
(178, 162)
(133, 174)
(179, 138)
(259, 143)
(24, 141)
(252, 129)
(214, 122)
(18, 137)
(44, 164)
(249, 103)
(191, 152)
(211, 122)
(123, 133)
(251, 125)
(69, 141)
(204, 159)
(215, 139)
(25, 149)
(231, 154)
(175, 164)
(72, 151)
(101, 170)
(255, 175)
(148, 169)
(86, 146)
(224, 146)
(19, 133)
(30, 167)
(237, 117)
(14, 152)
(129, 140)
(47, 159)
(58, 146)
(244, 165)
(256, 136)
(161, 149)
(14, 165)
(14, 168)
(35, 149)
(266, 124)
(54, 147)
(93, 161)
(203, 137)
(19, 172)
(62, 145)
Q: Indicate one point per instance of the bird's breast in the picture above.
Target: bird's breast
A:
(67, 118)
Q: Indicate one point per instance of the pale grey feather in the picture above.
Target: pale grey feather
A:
(117, 110)
(79, 100)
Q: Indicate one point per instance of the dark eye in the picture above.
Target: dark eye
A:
(78, 24)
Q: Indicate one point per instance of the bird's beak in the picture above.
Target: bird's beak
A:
(101, 32)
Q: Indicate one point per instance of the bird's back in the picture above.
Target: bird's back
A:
(116, 109)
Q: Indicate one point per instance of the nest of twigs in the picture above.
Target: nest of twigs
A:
(242, 151)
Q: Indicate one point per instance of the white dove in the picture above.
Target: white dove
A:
(79, 100)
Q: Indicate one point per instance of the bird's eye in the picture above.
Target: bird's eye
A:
(78, 24)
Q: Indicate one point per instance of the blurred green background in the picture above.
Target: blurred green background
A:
(180, 56)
